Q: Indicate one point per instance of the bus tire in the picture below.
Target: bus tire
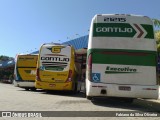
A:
(89, 97)
(129, 100)
(27, 89)
(84, 95)
(75, 89)
(33, 89)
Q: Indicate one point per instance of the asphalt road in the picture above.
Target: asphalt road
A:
(69, 106)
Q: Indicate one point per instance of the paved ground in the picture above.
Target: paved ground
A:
(16, 99)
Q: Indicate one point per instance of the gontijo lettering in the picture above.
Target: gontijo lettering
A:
(114, 29)
(55, 59)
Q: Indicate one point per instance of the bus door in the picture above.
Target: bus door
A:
(80, 59)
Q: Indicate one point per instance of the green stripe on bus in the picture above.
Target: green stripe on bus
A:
(124, 57)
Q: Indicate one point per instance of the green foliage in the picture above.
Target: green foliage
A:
(156, 22)
(157, 36)
(5, 73)
(5, 58)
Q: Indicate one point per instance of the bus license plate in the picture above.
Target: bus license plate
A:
(52, 85)
(125, 88)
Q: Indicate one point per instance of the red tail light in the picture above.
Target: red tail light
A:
(69, 79)
(89, 67)
(90, 61)
(37, 75)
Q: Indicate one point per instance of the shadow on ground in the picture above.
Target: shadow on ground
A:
(65, 93)
(137, 105)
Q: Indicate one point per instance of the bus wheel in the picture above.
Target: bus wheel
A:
(89, 97)
(129, 100)
(75, 89)
(27, 89)
(33, 89)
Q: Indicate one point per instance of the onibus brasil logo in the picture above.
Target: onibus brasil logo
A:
(114, 70)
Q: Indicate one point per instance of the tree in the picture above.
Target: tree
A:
(157, 36)
(156, 22)
(5, 58)
(7, 71)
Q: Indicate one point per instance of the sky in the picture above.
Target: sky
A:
(26, 24)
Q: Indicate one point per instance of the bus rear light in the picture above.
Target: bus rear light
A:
(89, 67)
(149, 89)
(39, 84)
(69, 79)
(66, 86)
(90, 61)
(37, 75)
(99, 86)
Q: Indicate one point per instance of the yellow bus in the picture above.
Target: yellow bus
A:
(56, 69)
(25, 71)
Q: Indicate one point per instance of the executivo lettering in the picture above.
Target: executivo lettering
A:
(113, 70)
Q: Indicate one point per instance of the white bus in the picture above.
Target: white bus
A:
(121, 57)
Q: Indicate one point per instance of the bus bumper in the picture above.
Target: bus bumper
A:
(116, 90)
(53, 86)
(24, 84)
